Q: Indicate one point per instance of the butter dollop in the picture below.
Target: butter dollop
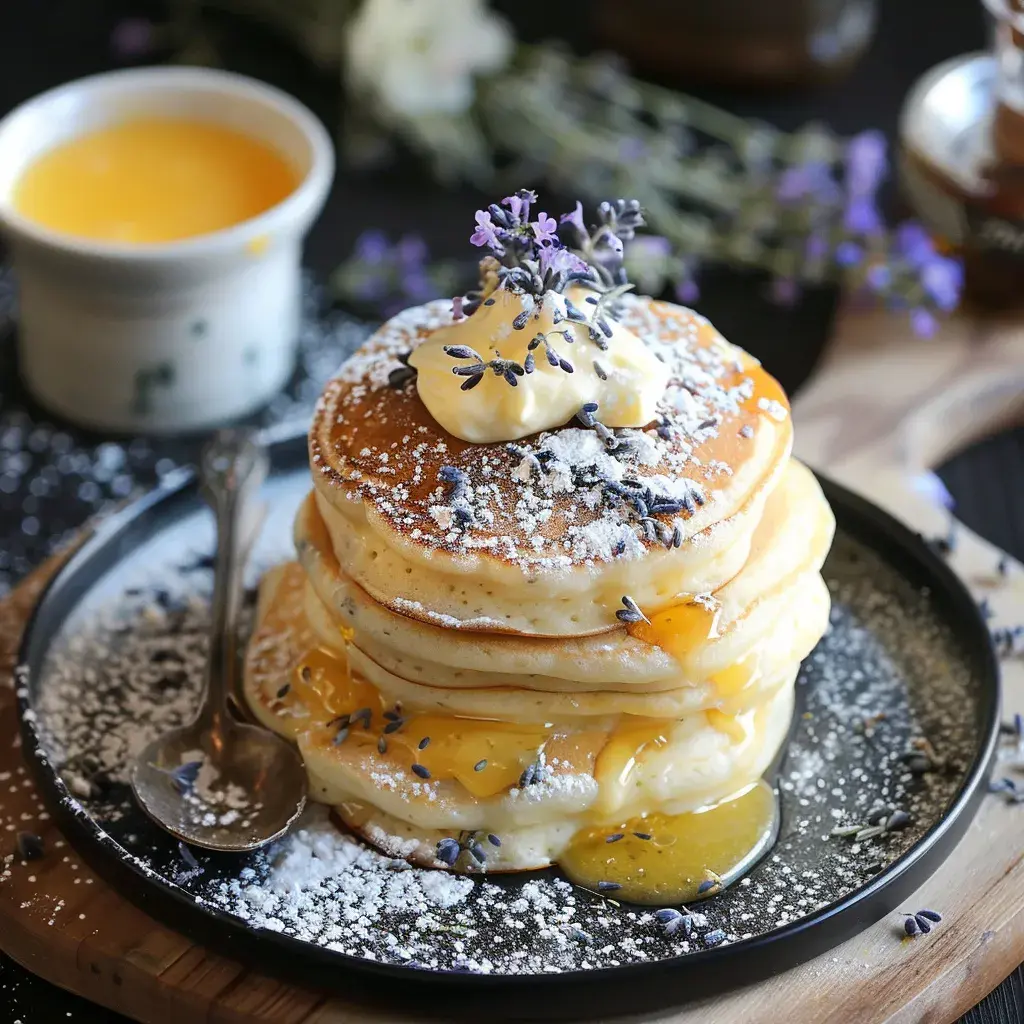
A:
(626, 384)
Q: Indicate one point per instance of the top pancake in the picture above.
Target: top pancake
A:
(380, 461)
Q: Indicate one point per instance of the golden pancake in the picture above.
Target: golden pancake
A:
(549, 550)
(555, 578)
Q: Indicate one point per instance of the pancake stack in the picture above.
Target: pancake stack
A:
(488, 648)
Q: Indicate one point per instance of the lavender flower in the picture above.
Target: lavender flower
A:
(544, 229)
(557, 260)
(861, 216)
(942, 280)
(486, 233)
(914, 244)
(391, 276)
(372, 247)
(519, 204)
(849, 254)
(687, 291)
(866, 162)
(411, 251)
(575, 219)
(923, 322)
(808, 181)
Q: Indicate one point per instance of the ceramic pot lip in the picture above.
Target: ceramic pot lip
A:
(292, 215)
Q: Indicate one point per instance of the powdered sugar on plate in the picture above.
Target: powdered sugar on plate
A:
(128, 663)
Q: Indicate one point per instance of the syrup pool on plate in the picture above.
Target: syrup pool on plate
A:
(153, 180)
(676, 858)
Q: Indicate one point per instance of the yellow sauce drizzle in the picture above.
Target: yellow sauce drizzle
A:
(684, 850)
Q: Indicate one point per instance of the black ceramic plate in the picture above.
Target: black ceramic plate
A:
(112, 654)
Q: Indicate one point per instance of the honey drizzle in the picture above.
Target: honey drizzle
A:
(325, 690)
(684, 853)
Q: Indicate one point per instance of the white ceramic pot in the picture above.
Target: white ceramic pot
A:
(167, 337)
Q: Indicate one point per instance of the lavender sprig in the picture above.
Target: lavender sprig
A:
(508, 369)
(920, 923)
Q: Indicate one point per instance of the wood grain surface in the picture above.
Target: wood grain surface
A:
(878, 412)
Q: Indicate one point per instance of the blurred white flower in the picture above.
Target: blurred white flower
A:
(419, 57)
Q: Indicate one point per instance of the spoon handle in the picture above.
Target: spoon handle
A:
(233, 466)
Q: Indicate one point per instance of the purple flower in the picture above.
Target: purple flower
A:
(866, 163)
(914, 243)
(817, 247)
(807, 181)
(544, 229)
(411, 251)
(560, 260)
(575, 218)
(372, 247)
(861, 216)
(486, 233)
(417, 286)
(687, 291)
(784, 291)
(519, 204)
(878, 277)
(942, 278)
(923, 323)
(132, 38)
(848, 254)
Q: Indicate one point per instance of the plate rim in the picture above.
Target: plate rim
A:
(705, 971)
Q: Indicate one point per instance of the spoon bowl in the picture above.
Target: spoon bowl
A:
(242, 796)
(218, 783)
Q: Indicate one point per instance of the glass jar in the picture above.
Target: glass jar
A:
(962, 159)
(738, 42)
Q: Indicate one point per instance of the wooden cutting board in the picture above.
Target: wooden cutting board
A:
(881, 409)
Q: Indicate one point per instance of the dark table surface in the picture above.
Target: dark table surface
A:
(45, 42)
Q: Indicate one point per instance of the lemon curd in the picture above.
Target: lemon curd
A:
(153, 180)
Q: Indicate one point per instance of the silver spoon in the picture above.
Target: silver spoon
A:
(218, 783)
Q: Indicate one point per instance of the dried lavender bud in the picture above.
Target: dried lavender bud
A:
(462, 352)
(447, 851)
(630, 611)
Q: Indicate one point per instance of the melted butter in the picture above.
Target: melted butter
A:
(681, 628)
(722, 841)
(153, 180)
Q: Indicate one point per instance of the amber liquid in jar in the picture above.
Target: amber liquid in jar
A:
(970, 191)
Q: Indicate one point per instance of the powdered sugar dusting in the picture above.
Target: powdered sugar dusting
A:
(127, 666)
(565, 497)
